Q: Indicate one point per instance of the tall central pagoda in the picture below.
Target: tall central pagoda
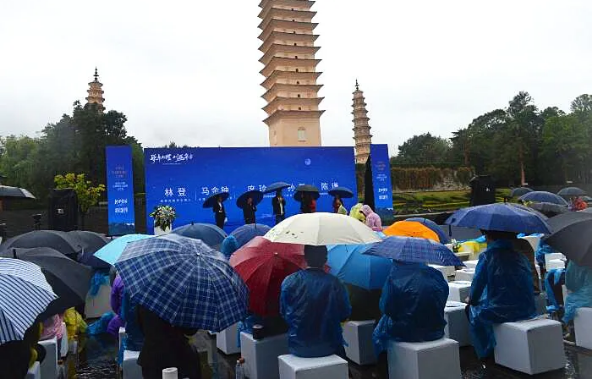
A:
(293, 114)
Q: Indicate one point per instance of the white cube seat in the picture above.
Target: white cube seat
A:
(64, 343)
(445, 270)
(261, 356)
(583, 328)
(438, 359)
(532, 346)
(34, 371)
(464, 275)
(96, 306)
(49, 366)
(553, 256)
(121, 336)
(227, 340)
(459, 290)
(457, 323)
(358, 339)
(540, 302)
(330, 367)
(130, 367)
(555, 264)
(471, 264)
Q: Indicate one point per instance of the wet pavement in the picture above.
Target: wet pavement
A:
(96, 360)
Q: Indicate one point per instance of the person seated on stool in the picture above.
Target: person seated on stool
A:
(278, 204)
(314, 304)
(166, 346)
(126, 313)
(16, 357)
(219, 212)
(578, 280)
(502, 290)
(249, 210)
(365, 303)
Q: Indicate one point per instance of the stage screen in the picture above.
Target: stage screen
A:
(184, 178)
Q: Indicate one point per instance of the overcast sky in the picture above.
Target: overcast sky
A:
(188, 71)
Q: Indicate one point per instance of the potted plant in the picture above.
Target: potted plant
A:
(163, 216)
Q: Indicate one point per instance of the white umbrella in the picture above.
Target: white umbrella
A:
(321, 229)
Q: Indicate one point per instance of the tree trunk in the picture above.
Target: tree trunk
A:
(522, 173)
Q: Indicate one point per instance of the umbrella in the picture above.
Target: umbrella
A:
(91, 242)
(25, 293)
(572, 236)
(61, 241)
(210, 201)
(549, 209)
(244, 234)
(411, 229)
(278, 186)
(571, 192)
(587, 199)
(433, 226)
(499, 217)
(210, 234)
(70, 280)
(113, 250)
(342, 192)
(412, 249)
(14, 192)
(306, 188)
(184, 282)
(362, 270)
(544, 196)
(263, 265)
(321, 229)
(517, 192)
(529, 209)
(257, 196)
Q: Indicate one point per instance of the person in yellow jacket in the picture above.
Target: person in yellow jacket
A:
(356, 212)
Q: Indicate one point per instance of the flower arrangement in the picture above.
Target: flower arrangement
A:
(163, 216)
(455, 246)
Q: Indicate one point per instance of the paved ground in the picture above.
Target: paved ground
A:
(97, 361)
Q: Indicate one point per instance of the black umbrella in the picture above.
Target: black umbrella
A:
(572, 236)
(529, 209)
(69, 280)
(60, 241)
(276, 187)
(549, 209)
(306, 188)
(14, 192)
(517, 192)
(91, 242)
(210, 201)
(571, 191)
(257, 196)
(587, 199)
(342, 192)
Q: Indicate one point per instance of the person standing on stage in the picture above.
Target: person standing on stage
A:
(249, 211)
(219, 212)
(279, 207)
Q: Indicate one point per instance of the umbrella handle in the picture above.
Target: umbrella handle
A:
(14, 253)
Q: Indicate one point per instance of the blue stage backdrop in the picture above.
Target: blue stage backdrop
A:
(381, 179)
(120, 190)
(184, 178)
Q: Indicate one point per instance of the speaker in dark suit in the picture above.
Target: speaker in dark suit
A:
(63, 210)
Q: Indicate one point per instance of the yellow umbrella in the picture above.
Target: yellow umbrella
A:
(411, 229)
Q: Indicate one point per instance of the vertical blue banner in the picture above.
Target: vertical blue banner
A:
(120, 190)
(381, 178)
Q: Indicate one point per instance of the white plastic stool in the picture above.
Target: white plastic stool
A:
(471, 264)
(424, 360)
(49, 366)
(130, 367)
(34, 371)
(261, 356)
(358, 337)
(96, 306)
(464, 275)
(459, 291)
(457, 323)
(553, 256)
(555, 263)
(540, 302)
(330, 367)
(64, 343)
(445, 270)
(583, 328)
(532, 346)
(226, 340)
(121, 335)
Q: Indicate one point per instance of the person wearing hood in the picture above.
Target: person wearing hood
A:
(372, 219)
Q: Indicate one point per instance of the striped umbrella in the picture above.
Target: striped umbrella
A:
(24, 294)
(416, 250)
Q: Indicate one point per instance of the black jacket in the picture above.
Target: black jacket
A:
(249, 213)
(219, 209)
(275, 202)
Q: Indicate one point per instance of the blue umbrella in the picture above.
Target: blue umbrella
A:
(433, 226)
(417, 250)
(24, 294)
(246, 233)
(278, 186)
(351, 266)
(112, 251)
(257, 196)
(342, 192)
(571, 191)
(184, 282)
(544, 197)
(210, 234)
(499, 217)
(517, 192)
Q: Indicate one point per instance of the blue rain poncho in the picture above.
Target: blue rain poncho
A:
(413, 301)
(314, 304)
(502, 291)
(543, 250)
(578, 280)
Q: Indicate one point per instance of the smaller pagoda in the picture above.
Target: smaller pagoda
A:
(95, 92)
(362, 136)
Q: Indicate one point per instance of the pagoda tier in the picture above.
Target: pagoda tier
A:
(290, 64)
(281, 90)
(286, 51)
(290, 77)
(283, 4)
(362, 136)
(279, 115)
(287, 26)
(287, 15)
(283, 38)
(293, 104)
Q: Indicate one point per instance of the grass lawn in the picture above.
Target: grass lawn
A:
(438, 200)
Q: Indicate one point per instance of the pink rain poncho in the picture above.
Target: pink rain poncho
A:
(372, 219)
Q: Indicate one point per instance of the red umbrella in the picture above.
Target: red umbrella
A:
(263, 265)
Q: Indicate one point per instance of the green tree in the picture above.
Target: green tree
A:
(17, 161)
(424, 149)
(88, 195)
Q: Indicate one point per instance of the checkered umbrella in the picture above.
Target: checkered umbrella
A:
(184, 282)
(413, 249)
